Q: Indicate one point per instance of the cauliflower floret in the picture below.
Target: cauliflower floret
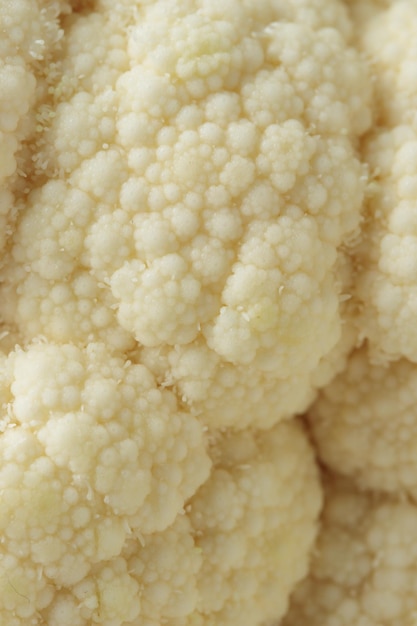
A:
(153, 581)
(223, 394)
(202, 177)
(56, 296)
(91, 450)
(102, 518)
(30, 37)
(363, 571)
(254, 521)
(387, 255)
(226, 395)
(364, 424)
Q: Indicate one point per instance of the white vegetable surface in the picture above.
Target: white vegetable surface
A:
(206, 230)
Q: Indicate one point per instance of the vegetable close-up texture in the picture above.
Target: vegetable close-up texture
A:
(208, 312)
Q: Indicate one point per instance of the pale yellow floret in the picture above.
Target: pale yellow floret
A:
(58, 297)
(29, 33)
(91, 451)
(96, 467)
(253, 523)
(363, 571)
(387, 255)
(223, 394)
(365, 426)
(180, 187)
(231, 557)
(202, 176)
(153, 581)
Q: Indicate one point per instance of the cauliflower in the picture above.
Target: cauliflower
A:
(173, 225)
(363, 572)
(30, 45)
(365, 425)
(207, 229)
(192, 201)
(102, 519)
(387, 254)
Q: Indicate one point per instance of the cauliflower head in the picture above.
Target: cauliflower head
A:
(363, 572)
(207, 228)
(192, 188)
(116, 509)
